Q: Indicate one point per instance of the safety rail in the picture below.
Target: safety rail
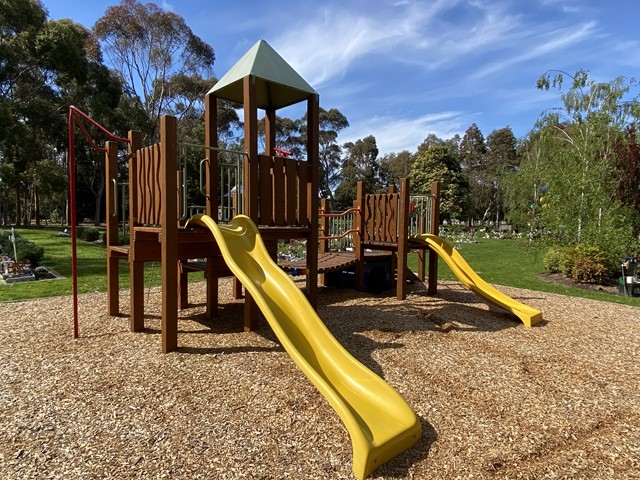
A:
(420, 212)
(230, 179)
(336, 229)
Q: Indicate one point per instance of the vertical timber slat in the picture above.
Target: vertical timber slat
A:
(169, 225)
(113, 263)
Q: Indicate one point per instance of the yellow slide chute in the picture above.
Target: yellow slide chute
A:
(462, 270)
(379, 421)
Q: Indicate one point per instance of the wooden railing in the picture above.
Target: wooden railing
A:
(283, 192)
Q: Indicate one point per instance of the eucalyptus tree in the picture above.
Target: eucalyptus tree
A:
(158, 56)
(394, 166)
(38, 59)
(360, 164)
(501, 159)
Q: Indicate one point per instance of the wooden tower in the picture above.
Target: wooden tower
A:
(263, 80)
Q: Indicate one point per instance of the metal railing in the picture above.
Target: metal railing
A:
(340, 229)
(230, 184)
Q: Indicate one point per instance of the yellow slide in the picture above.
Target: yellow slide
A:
(462, 270)
(379, 421)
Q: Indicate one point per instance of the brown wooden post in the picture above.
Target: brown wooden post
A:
(169, 232)
(211, 140)
(403, 239)
(267, 197)
(359, 236)
(270, 131)
(313, 132)
(250, 194)
(421, 227)
(212, 192)
(432, 286)
(136, 267)
(113, 263)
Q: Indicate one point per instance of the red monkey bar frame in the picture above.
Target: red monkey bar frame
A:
(75, 117)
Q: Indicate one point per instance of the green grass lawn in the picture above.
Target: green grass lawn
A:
(514, 263)
(91, 264)
(501, 262)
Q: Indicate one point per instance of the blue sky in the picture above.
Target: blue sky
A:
(401, 69)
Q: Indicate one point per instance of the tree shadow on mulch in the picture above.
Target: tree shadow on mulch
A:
(453, 308)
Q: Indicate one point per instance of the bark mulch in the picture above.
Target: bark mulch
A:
(496, 399)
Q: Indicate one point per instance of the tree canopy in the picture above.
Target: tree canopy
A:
(161, 61)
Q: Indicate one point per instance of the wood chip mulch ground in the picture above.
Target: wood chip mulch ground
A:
(496, 399)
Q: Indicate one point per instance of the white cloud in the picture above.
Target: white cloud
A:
(541, 45)
(329, 44)
(397, 134)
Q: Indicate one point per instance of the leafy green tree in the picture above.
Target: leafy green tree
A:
(501, 158)
(473, 158)
(332, 122)
(473, 149)
(627, 172)
(571, 161)
(437, 163)
(360, 165)
(394, 166)
(38, 58)
(160, 59)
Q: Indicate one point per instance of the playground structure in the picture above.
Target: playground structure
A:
(278, 198)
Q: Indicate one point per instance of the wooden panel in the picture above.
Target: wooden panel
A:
(369, 217)
(278, 188)
(392, 218)
(265, 182)
(169, 253)
(139, 186)
(303, 218)
(148, 186)
(290, 168)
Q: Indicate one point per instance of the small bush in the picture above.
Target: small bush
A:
(553, 259)
(590, 265)
(90, 234)
(567, 260)
(29, 250)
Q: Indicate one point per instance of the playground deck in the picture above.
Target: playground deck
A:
(332, 262)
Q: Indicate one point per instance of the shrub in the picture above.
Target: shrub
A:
(28, 250)
(590, 265)
(90, 234)
(553, 259)
(567, 260)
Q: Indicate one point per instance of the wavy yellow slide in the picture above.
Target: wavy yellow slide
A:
(379, 421)
(458, 265)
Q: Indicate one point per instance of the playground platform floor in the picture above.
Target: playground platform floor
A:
(496, 399)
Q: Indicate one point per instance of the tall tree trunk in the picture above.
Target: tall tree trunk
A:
(36, 205)
(18, 217)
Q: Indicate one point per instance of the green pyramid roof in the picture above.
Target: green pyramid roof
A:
(278, 85)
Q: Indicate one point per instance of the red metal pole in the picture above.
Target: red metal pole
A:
(72, 207)
(73, 113)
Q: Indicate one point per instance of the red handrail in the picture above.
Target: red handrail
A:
(75, 117)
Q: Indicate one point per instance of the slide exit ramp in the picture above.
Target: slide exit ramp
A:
(379, 421)
(458, 265)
